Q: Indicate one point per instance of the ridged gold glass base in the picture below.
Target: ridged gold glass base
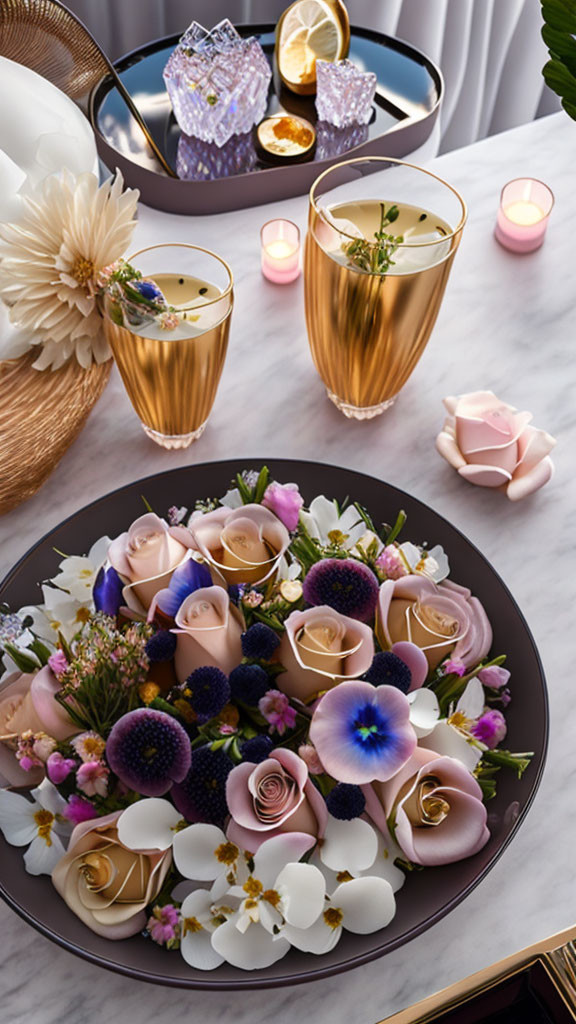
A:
(356, 412)
(174, 440)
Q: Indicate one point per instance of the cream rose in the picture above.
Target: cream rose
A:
(104, 883)
(145, 557)
(441, 619)
(320, 648)
(27, 703)
(244, 544)
(208, 629)
(491, 444)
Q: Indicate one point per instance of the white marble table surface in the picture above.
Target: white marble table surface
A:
(507, 323)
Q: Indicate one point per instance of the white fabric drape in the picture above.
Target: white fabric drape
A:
(490, 51)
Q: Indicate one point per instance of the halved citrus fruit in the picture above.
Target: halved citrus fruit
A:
(308, 31)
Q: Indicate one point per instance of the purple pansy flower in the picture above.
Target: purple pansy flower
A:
(362, 732)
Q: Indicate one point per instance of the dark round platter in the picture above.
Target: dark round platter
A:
(427, 895)
(408, 95)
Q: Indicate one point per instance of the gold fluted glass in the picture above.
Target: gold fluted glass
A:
(172, 375)
(368, 327)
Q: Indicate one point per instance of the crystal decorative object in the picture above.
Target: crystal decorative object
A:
(217, 82)
(332, 141)
(344, 94)
(205, 161)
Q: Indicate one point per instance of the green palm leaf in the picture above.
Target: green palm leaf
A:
(559, 34)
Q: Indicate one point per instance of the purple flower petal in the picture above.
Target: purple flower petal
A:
(184, 581)
(107, 591)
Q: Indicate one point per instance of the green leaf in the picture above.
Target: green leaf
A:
(245, 491)
(261, 484)
(40, 650)
(560, 15)
(147, 504)
(559, 78)
(23, 661)
(398, 525)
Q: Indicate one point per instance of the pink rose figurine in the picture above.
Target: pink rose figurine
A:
(273, 797)
(320, 648)
(443, 619)
(285, 501)
(437, 807)
(491, 444)
(145, 557)
(208, 632)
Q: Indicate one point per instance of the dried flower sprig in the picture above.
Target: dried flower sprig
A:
(376, 258)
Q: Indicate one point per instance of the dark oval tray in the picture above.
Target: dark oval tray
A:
(408, 96)
(427, 895)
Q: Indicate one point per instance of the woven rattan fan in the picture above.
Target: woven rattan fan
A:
(46, 37)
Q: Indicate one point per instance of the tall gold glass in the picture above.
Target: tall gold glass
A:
(171, 370)
(370, 306)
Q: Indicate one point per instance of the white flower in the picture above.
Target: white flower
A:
(78, 574)
(325, 524)
(361, 905)
(424, 710)
(450, 737)
(432, 563)
(149, 824)
(37, 822)
(68, 231)
(232, 499)
(60, 613)
(352, 849)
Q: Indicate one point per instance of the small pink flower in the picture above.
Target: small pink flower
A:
(505, 698)
(494, 676)
(79, 810)
(285, 501)
(455, 665)
(58, 663)
(59, 767)
(89, 746)
(163, 925)
(28, 763)
(309, 755)
(490, 728)
(277, 711)
(391, 562)
(92, 778)
(25, 754)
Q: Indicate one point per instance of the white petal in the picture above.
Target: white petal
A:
(424, 710)
(325, 515)
(194, 852)
(384, 866)
(275, 853)
(48, 797)
(17, 818)
(349, 845)
(196, 947)
(471, 703)
(309, 524)
(41, 858)
(252, 950)
(367, 903)
(197, 904)
(318, 938)
(448, 741)
(302, 888)
(99, 552)
(441, 559)
(411, 553)
(148, 824)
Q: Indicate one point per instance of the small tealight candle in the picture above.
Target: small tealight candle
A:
(525, 206)
(280, 251)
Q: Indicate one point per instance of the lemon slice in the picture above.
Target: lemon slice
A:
(308, 31)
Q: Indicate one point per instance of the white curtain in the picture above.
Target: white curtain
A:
(490, 51)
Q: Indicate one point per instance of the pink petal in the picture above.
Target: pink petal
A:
(533, 446)
(54, 717)
(449, 450)
(525, 484)
(485, 476)
(415, 659)
(462, 834)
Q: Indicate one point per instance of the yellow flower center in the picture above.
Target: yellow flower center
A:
(44, 820)
(458, 720)
(253, 887)
(333, 917)
(93, 745)
(83, 270)
(337, 537)
(271, 897)
(191, 924)
(344, 876)
(82, 615)
(250, 904)
(148, 692)
(226, 853)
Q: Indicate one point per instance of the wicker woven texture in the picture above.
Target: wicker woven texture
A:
(47, 38)
(41, 414)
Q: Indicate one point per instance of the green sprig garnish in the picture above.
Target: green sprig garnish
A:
(376, 258)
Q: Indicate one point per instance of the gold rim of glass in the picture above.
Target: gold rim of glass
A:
(401, 163)
(196, 248)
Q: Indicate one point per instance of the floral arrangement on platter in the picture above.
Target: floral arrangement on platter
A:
(246, 723)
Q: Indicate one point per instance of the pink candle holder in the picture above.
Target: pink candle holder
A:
(525, 206)
(280, 251)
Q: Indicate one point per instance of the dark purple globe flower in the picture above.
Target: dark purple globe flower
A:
(107, 591)
(161, 646)
(362, 733)
(344, 584)
(184, 581)
(387, 669)
(346, 802)
(148, 750)
(202, 794)
(260, 641)
(207, 690)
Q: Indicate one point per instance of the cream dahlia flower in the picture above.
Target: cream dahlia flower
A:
(69, 230)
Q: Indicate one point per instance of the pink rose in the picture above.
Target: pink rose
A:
(285, 501)
(443, 620)
(494, 676)
(244, 544)
(27, 704)
(145, 557)
(273, 797)
(320, 648)
(491, 444)
(208, 632)
(436, 808)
